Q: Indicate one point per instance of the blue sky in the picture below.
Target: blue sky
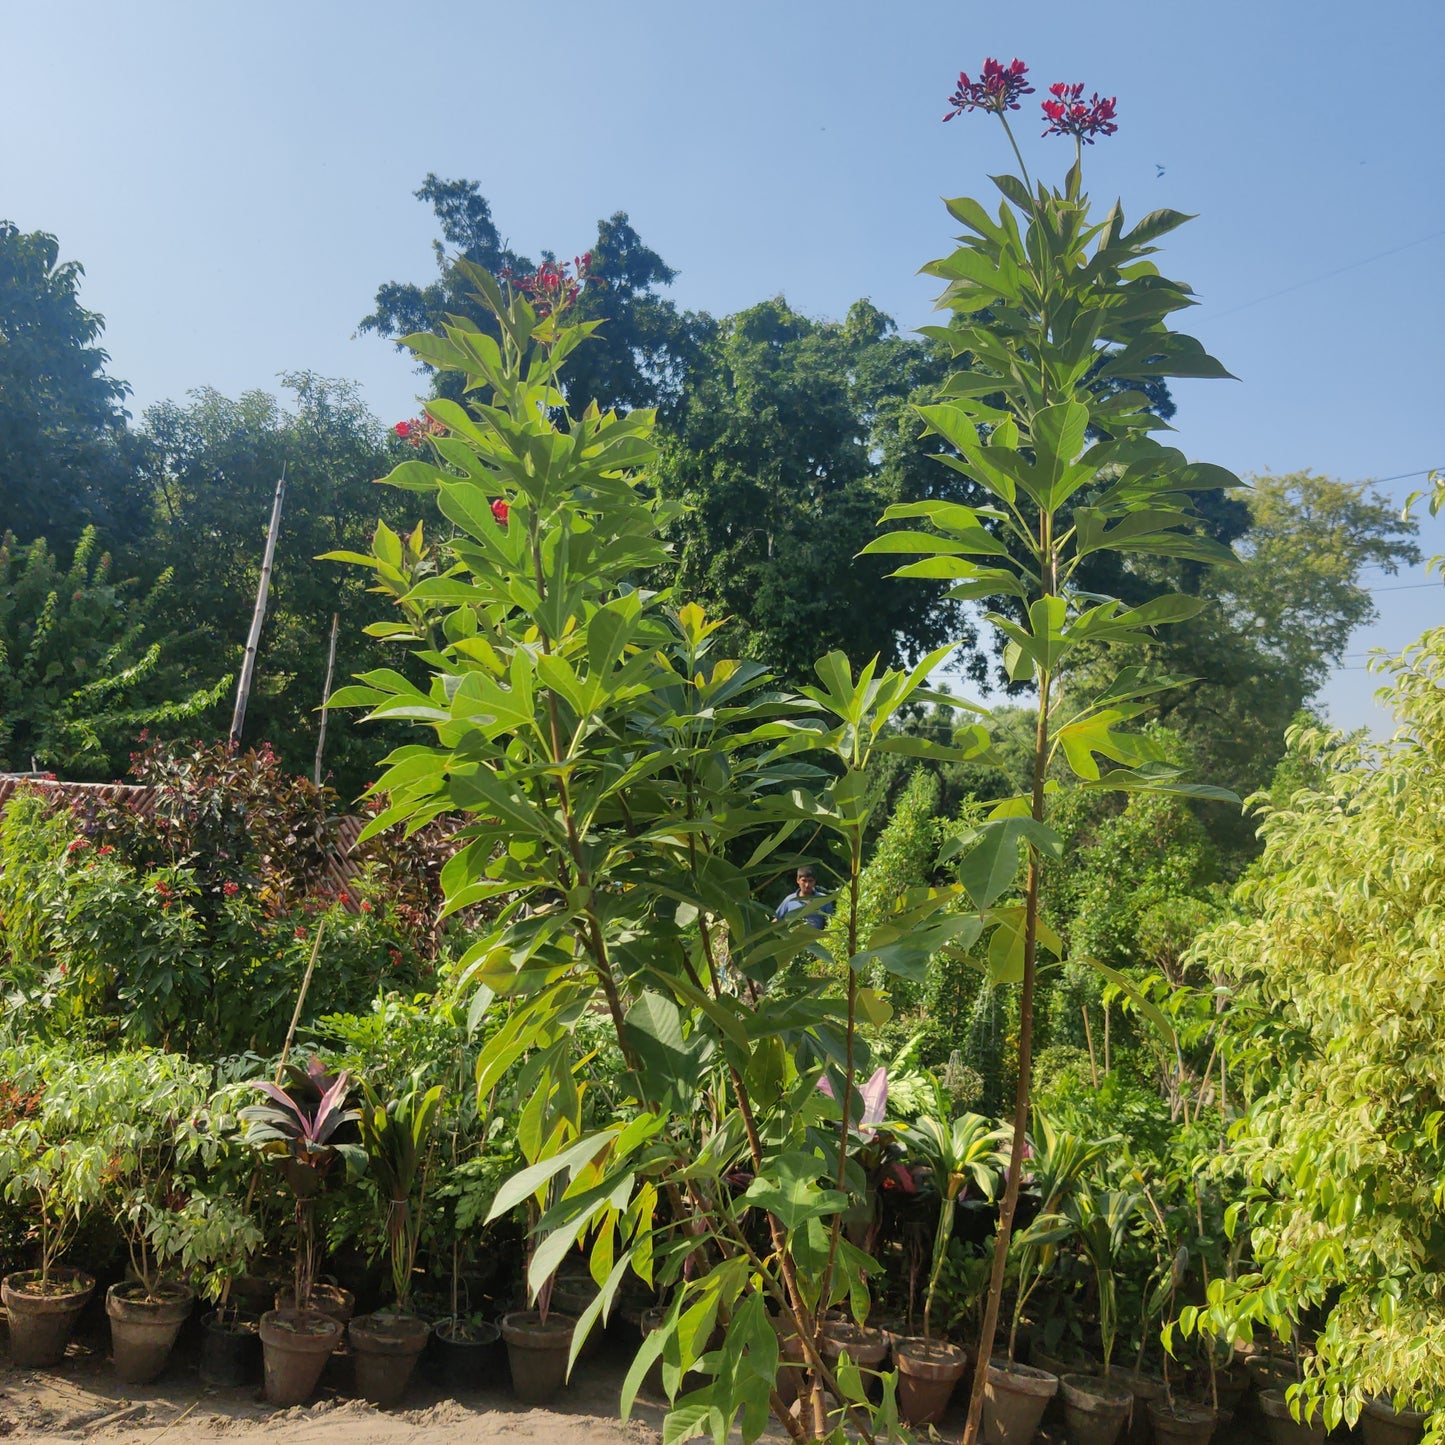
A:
(237, 181)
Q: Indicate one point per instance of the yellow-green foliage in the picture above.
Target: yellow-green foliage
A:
(1340, 1032)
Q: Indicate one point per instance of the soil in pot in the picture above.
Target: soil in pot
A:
(230, 1350)
(868, 1349)
(1381, 1424)
(143, 1328)
(296, 1345)
(1283, 1428)
(1013, 1402)
(467, 1353)
(1070, 1360)
(1095, 1410)
(537, 1353)
(329, 1299)
(1145, 1388)
(1182, 1423)
(1272, 1372)
(41, 1318)
(384, 1350)
(928, 1372)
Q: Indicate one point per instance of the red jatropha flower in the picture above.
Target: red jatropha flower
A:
(230, 889)
(366, 905)
(76, 845)
(1068, 114)
(998, 89)
(163, 888)
(553, 284)
(300, 933)
(104, 849)
(402, 429)
(501, 510)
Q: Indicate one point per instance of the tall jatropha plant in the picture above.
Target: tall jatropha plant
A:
(626, 791)
(1058, 319)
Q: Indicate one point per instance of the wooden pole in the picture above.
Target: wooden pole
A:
(253, 638)
(325, 693)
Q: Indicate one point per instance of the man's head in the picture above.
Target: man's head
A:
(807, 882)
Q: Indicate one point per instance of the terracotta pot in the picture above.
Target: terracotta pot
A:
(296, 1345)
(1231, 1385)
(1145, 1388)
(1066, 1362)
(1271, 1372)
(230, 1350)
(868, 1349)
(928, 1373)
(40, 1323)
(1095, 1410)
(1283, 1428)
(1181, 1423)
(1014, 1398)
(466, 1357)
(143, 1330)
(330, 1299)
(537, 1354)
(1382, 1424)
(572, 1294)
(385, 1348)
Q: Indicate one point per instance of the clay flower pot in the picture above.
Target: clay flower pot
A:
(41, 1318)
(1014, 1400)
(143, 1328)
(1145, 1388)
(1095, 1410)
(572, 1294)
(928, 1373)
(329, 1299)
(1182, 1423)
(1382, 1424)
(1283, 1428)
(296, 1345)
(537, 1353)
(385, 1348)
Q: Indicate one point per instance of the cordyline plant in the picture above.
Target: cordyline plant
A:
(626, 789)
(1058, 319)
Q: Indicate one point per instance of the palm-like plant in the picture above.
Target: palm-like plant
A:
(1059, 1162)
(961, 1151)
(397, 1139)
(1101, 1221)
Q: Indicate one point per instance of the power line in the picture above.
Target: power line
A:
(1326, 275)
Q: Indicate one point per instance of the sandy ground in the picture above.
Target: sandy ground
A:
(82, 1400)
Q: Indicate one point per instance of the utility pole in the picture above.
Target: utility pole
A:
(253, 639)
(325, 693)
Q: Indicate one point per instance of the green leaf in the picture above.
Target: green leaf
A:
(788, 1189)
(991, 865)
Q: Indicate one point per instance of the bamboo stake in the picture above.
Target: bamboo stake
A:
(326, 693)
(253, 638)
(1089, 1036)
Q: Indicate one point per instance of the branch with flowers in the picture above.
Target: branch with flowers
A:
(1056, 319)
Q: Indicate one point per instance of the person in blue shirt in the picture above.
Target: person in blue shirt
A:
(806, 897)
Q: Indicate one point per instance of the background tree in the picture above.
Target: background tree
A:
(85, 662)
(642, 354)
(63, 458)
(793, 437)
(211, 467)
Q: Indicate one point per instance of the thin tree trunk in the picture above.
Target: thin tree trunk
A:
(325, 693)
(253, 638)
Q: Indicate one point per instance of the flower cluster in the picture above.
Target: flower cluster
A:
(1068, 114)
(554, 284)
(418, 429)
(500, 510)
(998, 89)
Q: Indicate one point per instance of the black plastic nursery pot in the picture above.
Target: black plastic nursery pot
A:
(230, 1350)
(144, 1326)
(466, 1356)
(42, 1317)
